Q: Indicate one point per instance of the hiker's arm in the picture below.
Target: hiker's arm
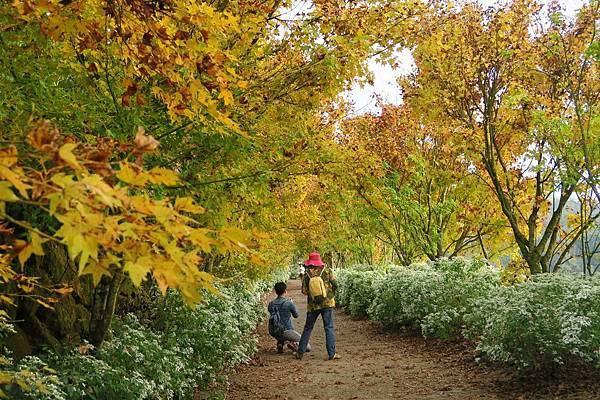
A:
(333, 280)
(294, 310)
(305, 284)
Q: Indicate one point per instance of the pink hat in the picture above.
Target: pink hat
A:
(314, 259)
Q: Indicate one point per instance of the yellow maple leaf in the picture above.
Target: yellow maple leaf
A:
(257, 260)
(8, 156)
(192, 259)
(28, 249)
(78, 244)
(4, 299)
(66, 153)
(227, 97)
(141, 204)
(96, 185)
(100, 268)
(188, 204)
(130, 176)
(166, 277)
(55, 200)
(139, 268)
(163, 214)
(6, 194)
(200, 238)
(36, 243)
(62, 180)
(163, 176)
(17, 180)
(239, 237)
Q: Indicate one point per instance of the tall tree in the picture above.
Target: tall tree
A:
(480, 68)
(429, 201)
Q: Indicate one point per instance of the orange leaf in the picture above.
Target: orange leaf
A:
(63, 291)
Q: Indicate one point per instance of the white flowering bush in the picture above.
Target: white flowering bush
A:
(356, 291)
(217, 333)
(431, 298)
(543, 323)
(85, 376)
(166, 356)
(29, 379)
(345, 280)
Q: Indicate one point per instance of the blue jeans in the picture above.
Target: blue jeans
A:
(311, 318)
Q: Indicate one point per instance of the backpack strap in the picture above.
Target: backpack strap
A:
(308, 273)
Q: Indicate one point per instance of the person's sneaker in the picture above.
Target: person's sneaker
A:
(280, 348)
(298, 355)
(334, 357)
(293, 347)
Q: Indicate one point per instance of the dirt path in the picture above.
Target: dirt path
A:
(378, 365)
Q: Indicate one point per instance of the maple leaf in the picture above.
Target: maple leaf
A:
(257, 260)
(63, 291)
(66, 153)
(239, 237)
(96, 185)
(128, 175)
(163, 176)
(8, 156)
(165, 277)
(188, 204)
(42, 137)
(26, 250)
(36, 243)
(201, 238)
(139, 268)
(14, 177)
(78, 244)
(97, 271)
(6, 194)
(144, 143)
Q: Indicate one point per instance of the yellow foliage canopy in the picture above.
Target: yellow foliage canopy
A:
(106, 218)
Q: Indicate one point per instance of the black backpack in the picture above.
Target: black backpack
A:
(276, 327)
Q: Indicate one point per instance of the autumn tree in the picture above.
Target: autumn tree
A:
(484, 70)
(427, 199)
(233, 91)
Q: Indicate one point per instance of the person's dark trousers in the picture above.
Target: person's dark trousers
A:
(311, 318)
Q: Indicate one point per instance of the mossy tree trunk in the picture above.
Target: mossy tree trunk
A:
(103, 307)
(85, 313)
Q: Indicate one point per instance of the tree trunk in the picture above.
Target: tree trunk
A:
(103, 307)
(67, 322)
(533, 261)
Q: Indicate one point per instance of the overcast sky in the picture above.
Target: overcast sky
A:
(385, 78)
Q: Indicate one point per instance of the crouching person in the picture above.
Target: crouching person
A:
(281, 327)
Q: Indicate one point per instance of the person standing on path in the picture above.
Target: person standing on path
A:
(301, 270)
(319, 284)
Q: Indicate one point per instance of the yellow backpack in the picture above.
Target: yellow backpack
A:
(317, 291)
